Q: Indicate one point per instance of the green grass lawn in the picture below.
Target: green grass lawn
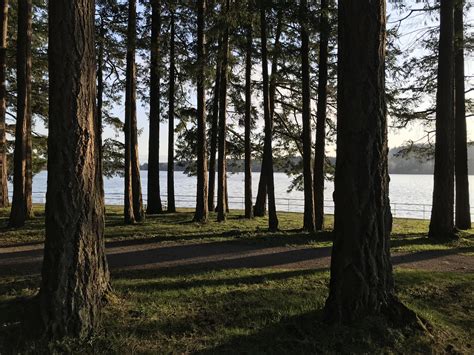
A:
(244, 310)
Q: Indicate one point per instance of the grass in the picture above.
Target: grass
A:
(244, 310)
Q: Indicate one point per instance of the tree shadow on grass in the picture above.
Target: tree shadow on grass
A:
(309, 334)
(189, 278)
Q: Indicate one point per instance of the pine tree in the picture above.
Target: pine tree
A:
(21, 202)
(361, 271)
(75, 276)
(463, 210)
(201, 214)
(308, 219)
(442, 213)
(154, 205)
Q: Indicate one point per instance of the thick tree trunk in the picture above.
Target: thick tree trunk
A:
(221, 180)
(361, 271)
(268, 167)
(3, 107)
(75, 276)
(170, 187)
(202, 211)
(19, 211)
(463, 210)
(154, 205)
(320, 154)
(308, 218)
(442, 213)
(214, 133)
(248, 119)
(261, 201)
(132, 103)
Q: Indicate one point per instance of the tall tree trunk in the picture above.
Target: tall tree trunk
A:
(75, 276)
(29, 156)
(3, 107)
(222, 161)
(214, 131)
(129, 212)
(361, 270)
(19, 210)
(320, 154)
(202, 211)
(154, 205)
(463, 210)
(100, 82)
(132, 103)
(308, 219)
(261, 201)
(248, 118)
(268, 167)
(171, 198)
(442, 213)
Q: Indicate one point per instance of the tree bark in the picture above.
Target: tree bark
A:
(171, 197)
(154, 205)
(248, 118)
(320, 154)
(19, 210)
(214, 132)
(308, 218)
(75, 276)
(222, 161)
(463, 210)
(442, 213)
(361, 271)
(202, 211)
(261, 201)
(268, 167)
(3, 107)
(132, 103)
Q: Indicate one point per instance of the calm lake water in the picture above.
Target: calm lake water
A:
(410, 195)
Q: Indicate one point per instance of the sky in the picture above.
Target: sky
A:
(396, 137)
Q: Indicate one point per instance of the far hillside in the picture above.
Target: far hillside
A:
(398, 163)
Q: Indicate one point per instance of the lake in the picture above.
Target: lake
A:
(410, 195)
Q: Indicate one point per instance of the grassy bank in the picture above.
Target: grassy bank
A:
(245, 310)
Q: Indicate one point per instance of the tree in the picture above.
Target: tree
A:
(154, 199)
(222, 160)
(248, 116)
(463, 210)
(201, 213)
(259, 209)
(442, 213)
(3, 107)
(320, 156)
(129, 210)
(131, 106)
(308, 219)
(75, 276)
(214, 131)
(361, 270)
(21, 203)
(268, 166)
(171, 114)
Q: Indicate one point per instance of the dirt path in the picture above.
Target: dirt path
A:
(146, 254)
